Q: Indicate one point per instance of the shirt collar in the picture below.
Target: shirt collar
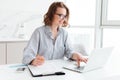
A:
(49, 32)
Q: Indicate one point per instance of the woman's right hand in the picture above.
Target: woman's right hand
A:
(39, 60)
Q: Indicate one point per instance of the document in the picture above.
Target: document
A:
(48, 68)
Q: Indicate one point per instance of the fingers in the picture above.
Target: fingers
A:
(36, 63)
(78, 63)
(83, 59)
(39, 60)
(86, 59)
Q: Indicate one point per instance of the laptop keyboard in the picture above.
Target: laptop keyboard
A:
(79, 68)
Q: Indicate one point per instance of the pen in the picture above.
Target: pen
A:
(56, 73)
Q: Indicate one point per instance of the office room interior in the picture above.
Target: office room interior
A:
(92, 24)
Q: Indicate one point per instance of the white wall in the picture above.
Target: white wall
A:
(14, 13)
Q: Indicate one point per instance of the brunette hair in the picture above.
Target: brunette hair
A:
(48, 17)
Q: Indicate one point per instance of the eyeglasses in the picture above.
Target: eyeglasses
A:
(62, 16)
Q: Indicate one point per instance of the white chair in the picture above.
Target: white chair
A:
(80, 42)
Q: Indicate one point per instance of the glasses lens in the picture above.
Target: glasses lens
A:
(61, 16)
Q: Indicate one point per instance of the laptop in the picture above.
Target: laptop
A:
(96, 60)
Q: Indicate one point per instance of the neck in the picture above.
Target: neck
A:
(54, 28)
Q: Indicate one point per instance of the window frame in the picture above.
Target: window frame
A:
(104, 21)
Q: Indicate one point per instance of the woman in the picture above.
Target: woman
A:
(51, 41)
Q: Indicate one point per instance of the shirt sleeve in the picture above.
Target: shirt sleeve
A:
(31, 49)
(68, 47)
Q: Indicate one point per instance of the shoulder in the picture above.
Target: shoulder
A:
(39, 29)
(64, 31)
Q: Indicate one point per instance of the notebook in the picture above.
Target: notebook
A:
(48, 68)
(96, 60)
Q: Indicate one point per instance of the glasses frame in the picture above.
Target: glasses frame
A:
(62, 16)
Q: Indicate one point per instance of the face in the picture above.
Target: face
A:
(59, 16)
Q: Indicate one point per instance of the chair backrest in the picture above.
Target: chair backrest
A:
(80, 41)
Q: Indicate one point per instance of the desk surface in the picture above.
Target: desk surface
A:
(8, 72)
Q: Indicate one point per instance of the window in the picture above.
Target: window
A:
(111, 12)
(82, 12)
(82, 21)
(110, 37)
(110, 20)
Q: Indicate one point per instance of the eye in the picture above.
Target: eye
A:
(62, 16)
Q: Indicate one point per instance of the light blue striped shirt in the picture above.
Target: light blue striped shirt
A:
(42, 43)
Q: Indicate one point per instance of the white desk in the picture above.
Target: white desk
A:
(8, 72)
